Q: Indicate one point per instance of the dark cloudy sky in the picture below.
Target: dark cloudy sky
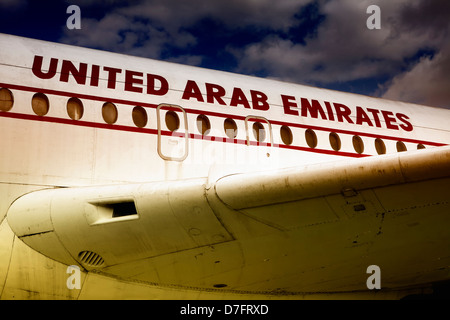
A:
(323, 43)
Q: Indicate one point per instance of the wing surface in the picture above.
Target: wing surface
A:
(305, 229)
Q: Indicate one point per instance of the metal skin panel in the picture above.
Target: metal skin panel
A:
(225, 218)
(170, 217)
(6, 243)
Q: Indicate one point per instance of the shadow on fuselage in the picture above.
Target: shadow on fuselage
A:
(441, 291)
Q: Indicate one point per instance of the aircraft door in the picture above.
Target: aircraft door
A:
(173, 135)
(260, 139)
(259, 131)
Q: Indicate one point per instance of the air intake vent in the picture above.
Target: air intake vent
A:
(90, 259)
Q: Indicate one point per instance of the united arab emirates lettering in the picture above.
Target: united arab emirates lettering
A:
(153, 84)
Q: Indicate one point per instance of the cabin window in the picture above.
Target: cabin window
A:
(311, 138)
(140, 117)
(172, 121)
(230, 127)
(420, 146)
(358, 144)
(203, 125)
(75, 108)
(335, 141)
(6, 99)
(286, 135)
(109, 113)
(40, 104)
(259, 132)
(401, 146)
(380, 146)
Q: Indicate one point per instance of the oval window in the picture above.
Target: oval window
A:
(286, 135)
(420, 146)
(140, 117)
(259, 132)
(172, 121)
(401, 146)
(6, 99)
(358, 144)
(311, 138)
(75, 108)
(230, 127)
(380, 146)
(40, 104)
(109, 113)
(203, 124)
(335, 141)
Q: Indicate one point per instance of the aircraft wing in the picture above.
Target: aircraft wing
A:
(304, 229)
(392, 211)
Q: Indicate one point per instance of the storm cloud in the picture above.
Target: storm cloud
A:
(315, 42)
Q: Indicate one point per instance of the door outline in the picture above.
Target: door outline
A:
(247, 130)
(171, 107)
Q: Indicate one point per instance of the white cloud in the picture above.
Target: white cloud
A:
(342, 48)
(165, 22)
(345, 50)
(119, 33)
(174, 14)
(427, 83)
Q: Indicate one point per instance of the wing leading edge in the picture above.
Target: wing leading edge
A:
(249, 190)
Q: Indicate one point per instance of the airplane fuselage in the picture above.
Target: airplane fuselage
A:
(126, 159)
